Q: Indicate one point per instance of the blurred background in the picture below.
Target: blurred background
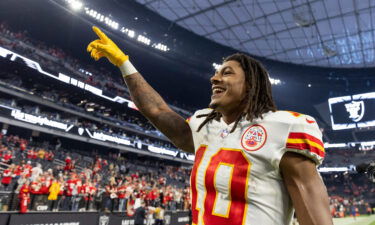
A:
(72, 117)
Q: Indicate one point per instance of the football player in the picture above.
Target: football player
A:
(253, 164)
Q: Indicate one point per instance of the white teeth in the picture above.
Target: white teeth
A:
(218, 90)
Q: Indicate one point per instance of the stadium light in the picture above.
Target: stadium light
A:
(101, 18)
(275, 81)
(85, 72)
(115, 25)
(333, 169)
(160, 46)
(131, 33)
(143, 40)
(335, 145)
(216, 66)
(111, 23)
(75, 4)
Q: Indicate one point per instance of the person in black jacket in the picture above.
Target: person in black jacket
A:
(140, 214)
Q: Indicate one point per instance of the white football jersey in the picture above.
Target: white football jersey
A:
(235, 179)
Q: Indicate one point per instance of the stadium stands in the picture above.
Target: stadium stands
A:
(112, 180)
(87, 180)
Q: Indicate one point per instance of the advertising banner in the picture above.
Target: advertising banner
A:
(54, 218)
(177, 218)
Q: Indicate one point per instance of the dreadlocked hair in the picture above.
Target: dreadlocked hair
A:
(259, 98)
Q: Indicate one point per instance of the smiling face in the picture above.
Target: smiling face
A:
(228, 87)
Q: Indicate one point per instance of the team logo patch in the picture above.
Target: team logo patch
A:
(254, 138)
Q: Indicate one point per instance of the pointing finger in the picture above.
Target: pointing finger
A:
(100, 34)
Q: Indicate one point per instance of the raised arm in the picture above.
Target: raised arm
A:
(147, 100)
(154, 108)
(306, 189)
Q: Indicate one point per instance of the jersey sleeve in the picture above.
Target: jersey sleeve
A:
(305, 138)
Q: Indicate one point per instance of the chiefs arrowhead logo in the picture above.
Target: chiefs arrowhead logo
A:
(254, 138)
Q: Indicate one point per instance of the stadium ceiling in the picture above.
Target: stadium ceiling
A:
(326, 33)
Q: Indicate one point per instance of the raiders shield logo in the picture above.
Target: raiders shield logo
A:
(103, 220)
(254, 138)
(80, 130)
(356, 110)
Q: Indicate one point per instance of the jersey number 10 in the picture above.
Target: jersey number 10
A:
(225, 183)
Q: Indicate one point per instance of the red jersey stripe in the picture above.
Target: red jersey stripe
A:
(306, 136)
(306, 146)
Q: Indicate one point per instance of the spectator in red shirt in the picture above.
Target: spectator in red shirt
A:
(31, 154)
(76, 193)
(27, 169)
(152, 196)
(7, 157)
(34, 154)
(68, 159)
(7, 176)
(35, 187)
(121, 193)
(49, 156)
(23, 146)
(69, 164)
(68, 192)
(18, 170)
(24, 197)
(135, 176)
(46, 181)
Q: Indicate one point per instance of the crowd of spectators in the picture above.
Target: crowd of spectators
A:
(342, 206)
(58, 60)
(124, 118)
(346, 157)
(12, 80)
(350, 193)
(334, 157)
(351, 185)
(95, 126)
(46, 177)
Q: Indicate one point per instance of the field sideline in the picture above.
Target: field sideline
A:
(362, 220)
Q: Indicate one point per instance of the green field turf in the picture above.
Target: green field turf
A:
(362, 220)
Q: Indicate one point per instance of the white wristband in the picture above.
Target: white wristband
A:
(127, 68)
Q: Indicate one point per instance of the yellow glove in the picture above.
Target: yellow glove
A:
(105, 47)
